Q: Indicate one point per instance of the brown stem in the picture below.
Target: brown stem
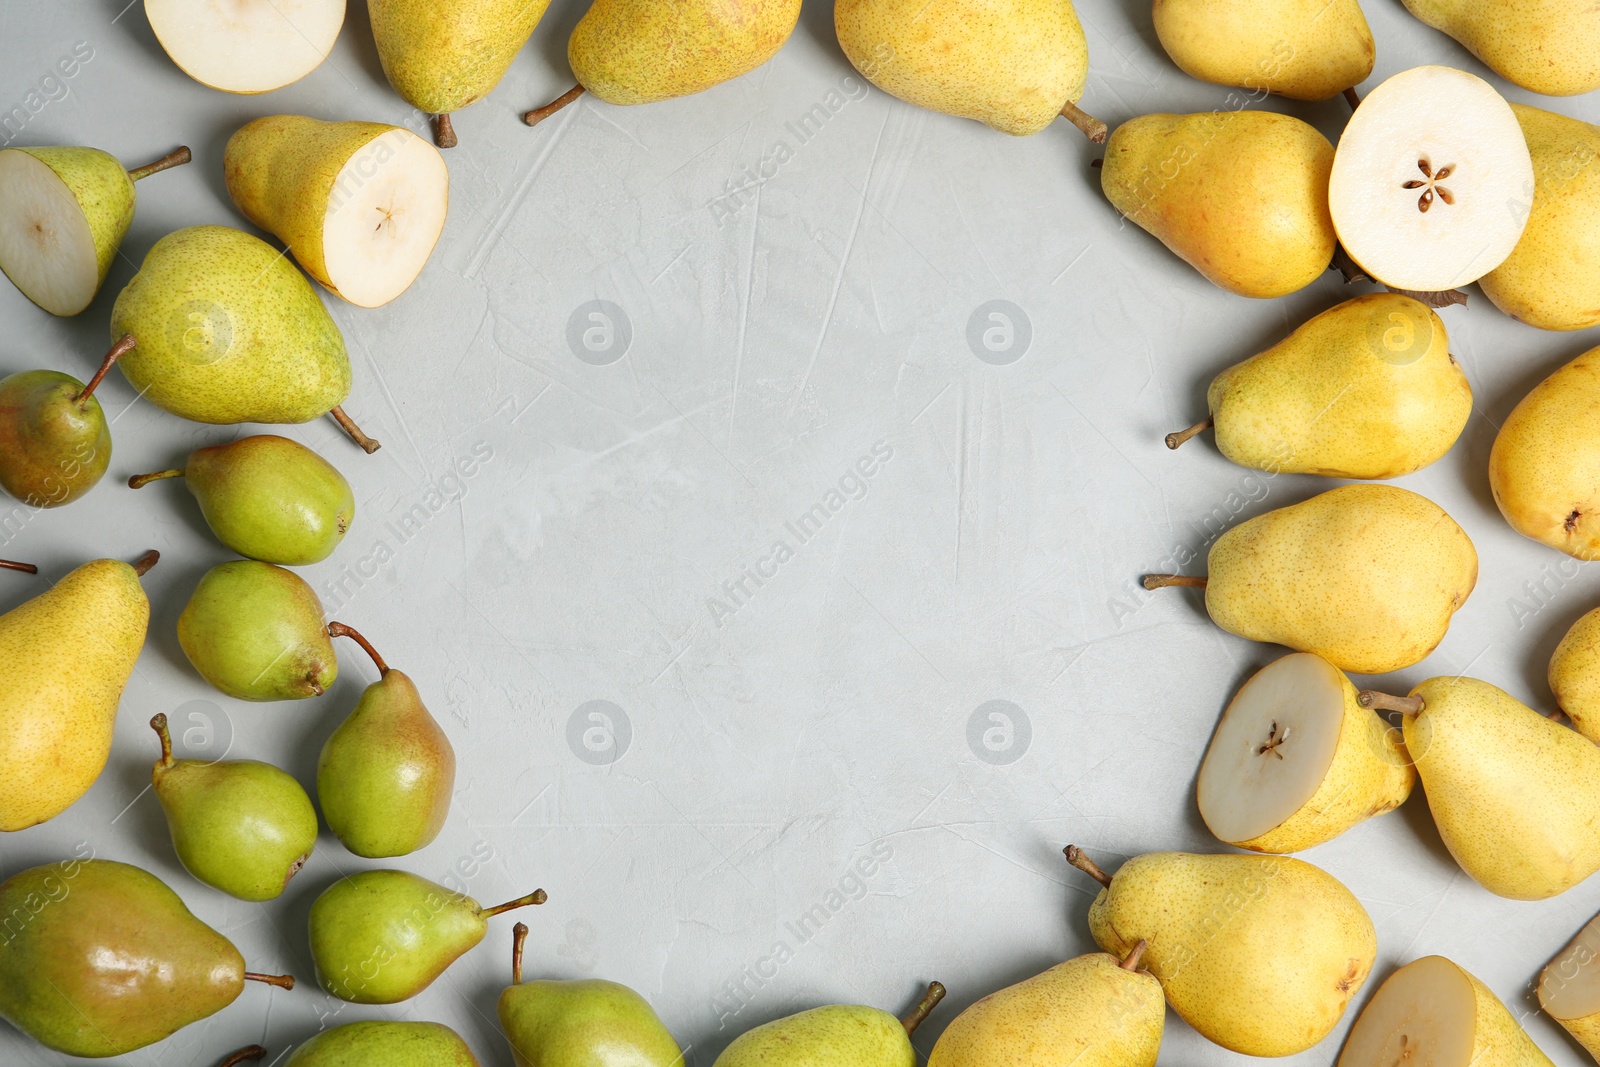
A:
(1351, 98)
(142, 565)
(26, 568)
(176, 158)
(1092, 127)
(278, 981)
(1176, 440)
(139, 481)
(159, 725)
(1371, 698)
(538, 896)
(339, 629)
(1167, 581)
(123, 346)
(924, 1008)
(444, 134)
(1131, 962)
(1076, 857)
(519, 938)
(348, 425)
(254, 1052)
(539, 114)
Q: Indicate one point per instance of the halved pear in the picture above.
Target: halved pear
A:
(246, 46)
(1432, 1012)
(1297, 760)
(1422, 178)
(1569, 988)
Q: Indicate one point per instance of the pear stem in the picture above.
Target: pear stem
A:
(1076, 857)
(1167, 581)
(519, 938)
(1092, 127)
(176, 158)
(142, 565)
(1176, 440)
(539, 114)
(538, 896)
(277, 981)
(924, 1008)
(348, 425)
(26, 568)
(123, 346)
(1351, 98)
(254, 1052)
(444, 134)
(339, 629)
(1131, 963)
(159, 725)
(1371, 698)
(139, 481)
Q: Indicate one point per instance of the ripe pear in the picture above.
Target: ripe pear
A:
(839, 1035)
(380, 937)
(576, 1023)
(1365, 576)
(1544, 468)
(1514, 795)
(226, 331)
(55, 443)
(108, 960)
(256, 632)
(1574, 675)
(65, 657)
(360, 204)
(1302, 49)
(386, 775)
(1546, 46)
(240, 826)
(1433, 1012)
(1367, 389)
(400, 1044)
(246, 46)
(1093, 1011)
(267, 498)
(1260, 954)
(1241, 196)
(65, 212)
(1569, 988)
(1297, 760)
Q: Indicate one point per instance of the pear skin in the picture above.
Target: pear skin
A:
(1544, 468)
(1547, 46)
(1569, 988)
(1574, 675)
(838, 1035)
(55, 442)
(256, 632)
(1302, 49)
(401, 1044)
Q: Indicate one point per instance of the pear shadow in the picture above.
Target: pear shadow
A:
(143, 820)
(549, 43)
(1417, 816)
(1141, 18)
(1536, 663)
(480, 994)
(180, 574)
(136, 28)
(328, 712)
(358, 24)
(816, 22)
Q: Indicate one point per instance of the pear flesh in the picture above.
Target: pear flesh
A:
(383, 1042)
(1574, 675)
(1547, 46)
(1569, 988)
(1302, 49)
(1544, 468)
(246, 46)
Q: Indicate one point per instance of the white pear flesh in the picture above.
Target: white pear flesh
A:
(46, 247)
(1423, 177)
(1425, 1015)
(246, 46)
(385, 214)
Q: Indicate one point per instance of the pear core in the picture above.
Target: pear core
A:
(46, 247)
(385, 213)
(1426, 1013)
(246, 46)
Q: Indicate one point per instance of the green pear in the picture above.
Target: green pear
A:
(1365, 576)
(267, 498)
(55, 443)
(1367, 389)
(386, 775)
(1574, 675)
(1260, 954)
(1433, 1012)
(839, 1035)
(1241, 196)
(1546, 46)
(65, 657)
(240, 826)
(389, 1043)
(101, 958)
(1552, 274)
(1093, 1011)
(256, 632)
(380, 937)
(588, 1023)
(1514, 795)
(1302, 49)
(226, 330)
(1569, 988)
(65, 212)
(441, 55)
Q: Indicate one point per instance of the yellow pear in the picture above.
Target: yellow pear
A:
(1516, 796)
(1547, 46)
(1552, 277)
(1569, 988)
(1302, 49)
(1093, 1011)
(1544, 468)
(1575, 675)
(1365, 576)
(1241, 196)
(1433, 1012)
(1367, 389)
(65, 657)
(1260, 954)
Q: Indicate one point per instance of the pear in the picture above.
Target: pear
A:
(401, 1044)
(380, 937)
(1260, 954)
(1547, 46)
(65, 213)
(1433, 1012)
(1367, 389)
(1514, 795)
(1574, 675)
(240, 826)
(244, 1055)
(441, 55)
(1241, 196)
(1302, 49)
(1569, 988)
(1297, 760)
(839, 1035)
(256, 632)
(267, 498)
(1093, 1011)
(1544, 468)
(571, 1024)
(65, 657)
(246, 46)
(55, 443)
(386, 775)
(360, 204)
(1365, 576)
(226, 331)
(1013, 65)
(108, 960)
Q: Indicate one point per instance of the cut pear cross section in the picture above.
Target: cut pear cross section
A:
(246, 46)
(385, 213)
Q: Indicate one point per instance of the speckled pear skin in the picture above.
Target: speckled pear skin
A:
(1547, 46)
(53, 448)
(1574, 675)
(272, 499)
(839, 1035)
(1260, 954)
(65, 657)
(1365, 576)
(1499, 1038)
(441, 55)
(641, 51)
(392, 1044)
(1544, 467)
(103, 190)
(585, 1023)
(227, 330)
(1009, 64)
(256, 632)
(1302, 49)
